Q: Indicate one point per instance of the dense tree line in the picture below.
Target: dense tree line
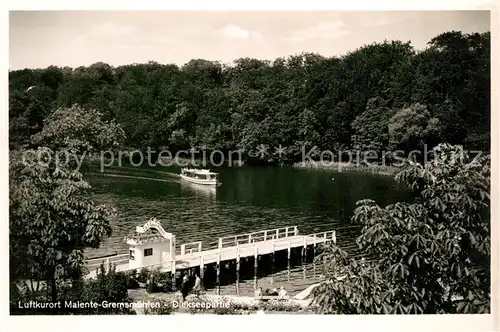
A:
(380, 96)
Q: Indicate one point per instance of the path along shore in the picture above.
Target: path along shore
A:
(299, 302)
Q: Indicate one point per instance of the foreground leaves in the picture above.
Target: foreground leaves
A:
(429, 256)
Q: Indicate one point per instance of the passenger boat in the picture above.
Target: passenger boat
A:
(200, 176)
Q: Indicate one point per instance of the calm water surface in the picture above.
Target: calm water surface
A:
(249, 199)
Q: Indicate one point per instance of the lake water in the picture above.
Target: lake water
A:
(249, 199)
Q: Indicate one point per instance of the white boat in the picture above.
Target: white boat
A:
(200, 176)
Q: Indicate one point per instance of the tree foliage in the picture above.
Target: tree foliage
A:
(428, 256)
(370, 128)
(109, 286)
(301, 99)
(79, 131)
(52, 217)
(410, 128)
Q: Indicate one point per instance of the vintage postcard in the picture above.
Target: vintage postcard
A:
(250, 162)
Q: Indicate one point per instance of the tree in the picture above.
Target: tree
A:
(411, 127)
(110, 286)
(452, 79)
(428, 256)
(52, 217)
(371, 127)
(52, 220)
(79, 131)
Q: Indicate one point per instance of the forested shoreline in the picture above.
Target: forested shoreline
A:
(382, 96)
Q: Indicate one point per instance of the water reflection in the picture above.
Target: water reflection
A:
(199, 189)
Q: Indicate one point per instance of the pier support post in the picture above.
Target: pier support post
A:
(314, 255)
(238, 271)
(304, 249)
(218, 273)
(272, 264)
(255, 266)
(202, 270)
(304, 257)
(172, 264)
(288, 263)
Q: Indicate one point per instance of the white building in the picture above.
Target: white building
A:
(150, 246)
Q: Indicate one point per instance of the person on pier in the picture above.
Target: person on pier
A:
(184, 287)
(258, 293)
(282, 293)
(197, 285)
(273, 292)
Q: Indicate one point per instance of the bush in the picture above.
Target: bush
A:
(143, 276)
(159, 282)
(163, 281)
(110, 286)
(132, 283)
(277, 305)
(237, 308)
(165, 308)
(233, 308)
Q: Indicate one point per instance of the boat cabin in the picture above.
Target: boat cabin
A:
(201, 174)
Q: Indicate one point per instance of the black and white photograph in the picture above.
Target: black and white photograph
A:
(250, 162)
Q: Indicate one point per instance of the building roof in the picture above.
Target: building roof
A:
(151, 231)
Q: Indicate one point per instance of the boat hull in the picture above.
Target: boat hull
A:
(200, 181)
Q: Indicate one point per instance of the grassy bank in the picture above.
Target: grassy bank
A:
(350, 167)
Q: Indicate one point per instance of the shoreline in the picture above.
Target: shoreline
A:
(196, 162)
(330, 166)
(348, 167)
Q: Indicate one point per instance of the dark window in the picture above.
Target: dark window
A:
(148, 252)
(131, 255)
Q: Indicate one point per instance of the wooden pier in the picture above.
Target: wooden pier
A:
(198, 255)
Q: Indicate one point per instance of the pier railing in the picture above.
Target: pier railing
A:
(324, 236)
(271, 234)
(191, 247)
(196, 248)
(94, 263)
